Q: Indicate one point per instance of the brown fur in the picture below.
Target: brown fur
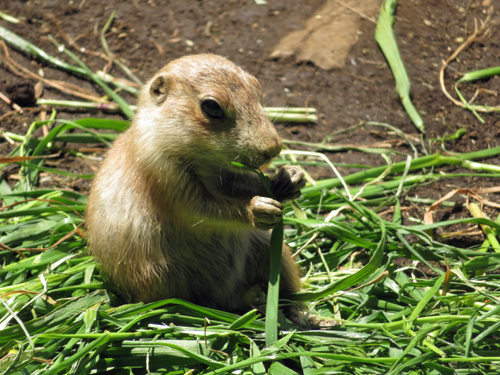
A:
(168, 214)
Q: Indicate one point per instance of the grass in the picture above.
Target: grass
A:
(58, 315)
(384, 35)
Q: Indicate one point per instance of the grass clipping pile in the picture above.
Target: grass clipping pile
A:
(439, 314)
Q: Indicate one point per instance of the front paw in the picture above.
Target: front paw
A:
(288, 182)
(266, 212)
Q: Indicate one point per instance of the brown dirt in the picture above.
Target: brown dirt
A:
(148, 34)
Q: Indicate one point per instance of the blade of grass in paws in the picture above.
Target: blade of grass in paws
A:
(274, 277)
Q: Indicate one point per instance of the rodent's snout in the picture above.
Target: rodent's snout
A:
(273, 146)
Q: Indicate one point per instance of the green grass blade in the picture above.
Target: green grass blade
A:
(67, 311)
(124, 106)
(384, 35)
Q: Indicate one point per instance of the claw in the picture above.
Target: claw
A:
(288, 182)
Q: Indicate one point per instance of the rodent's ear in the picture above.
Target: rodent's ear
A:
(159, 88)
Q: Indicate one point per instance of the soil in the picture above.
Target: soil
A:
(147, 34)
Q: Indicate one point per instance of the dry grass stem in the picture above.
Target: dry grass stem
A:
(14, 66)
(474, 193)
(34, 249)
(478, 33)
(40, 200)
(11, 103)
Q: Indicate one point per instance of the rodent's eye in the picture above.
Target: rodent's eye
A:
(212, 109)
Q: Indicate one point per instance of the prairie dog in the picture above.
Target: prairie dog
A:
(169, 216)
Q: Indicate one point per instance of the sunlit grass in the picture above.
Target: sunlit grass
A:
(57, 315)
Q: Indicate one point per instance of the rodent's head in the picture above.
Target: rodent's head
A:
(207, 111)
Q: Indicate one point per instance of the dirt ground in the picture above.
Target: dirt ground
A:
(148, 34)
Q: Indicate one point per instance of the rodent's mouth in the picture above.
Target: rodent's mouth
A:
(264, 166)
(261, 162)
(257, 165)
(253, 160)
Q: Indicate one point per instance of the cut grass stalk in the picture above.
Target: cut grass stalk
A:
(296, 110)
(398, 132)
(384, 35)
(288, 114)
(80, 104)
(419, 163)
(480, 74)
(290, 117)
(489, 232)
(478, 32)
(336, 148)
(124, 106)
(30, 49)
(111, 55)
(22, 45)
(9, 18)
(471, 77)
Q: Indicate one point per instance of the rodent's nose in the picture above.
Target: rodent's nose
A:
(273, 146)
